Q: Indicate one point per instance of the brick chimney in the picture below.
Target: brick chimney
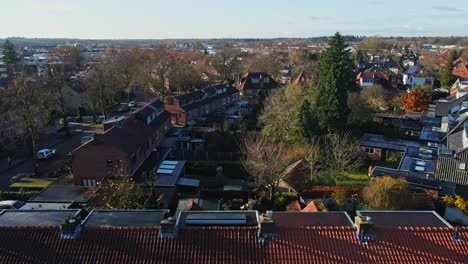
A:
(71, 228)
(168, 228)
(364, 228)
(267, 227)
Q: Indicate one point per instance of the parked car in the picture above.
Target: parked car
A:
(11, 204)
(100, 119)
(46, 153)
(131, 104)
(20, 176)
(124, 108)
(85, 139)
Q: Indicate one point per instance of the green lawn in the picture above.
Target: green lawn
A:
(32, 183)
(357, 179)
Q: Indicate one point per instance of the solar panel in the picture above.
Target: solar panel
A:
(419, 168)
(420, 163)
(170, 162)
(164, 171)
(167, 167)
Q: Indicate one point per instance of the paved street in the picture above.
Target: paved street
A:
(62, 147)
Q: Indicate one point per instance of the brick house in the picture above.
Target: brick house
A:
(251, 82)
(187, 107)
(124, 147)
(461, 70)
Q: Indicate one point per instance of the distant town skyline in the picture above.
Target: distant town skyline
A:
(145, 19)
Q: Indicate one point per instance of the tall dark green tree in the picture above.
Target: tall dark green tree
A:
(10, 57)
(446, 73)
(335, 77)
(308, 120)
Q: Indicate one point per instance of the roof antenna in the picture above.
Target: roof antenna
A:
(456, 234)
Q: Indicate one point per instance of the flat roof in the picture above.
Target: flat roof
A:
(168, 173)
(188, 182)
(65, 194)
(35, 217)
(300, 219)
(109, 218)
(380, 141)
(45, 206)
(209, 204)
(421, 152)
(395, 219)
(417, 165)
(249, 218)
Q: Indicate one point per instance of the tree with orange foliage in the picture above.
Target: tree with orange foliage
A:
(416, 100)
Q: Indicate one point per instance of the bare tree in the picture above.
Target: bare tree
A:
(341, 155)
(125, 65)
(56, 80)
(225, 61)
(375, 97)
(98, 85)
(263, 63)
(24, 96)
(154, 74)
(313, 156)
(265, 160)
(180, 75)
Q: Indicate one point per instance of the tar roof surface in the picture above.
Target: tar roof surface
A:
(65, 194)
(115, 218)
(305, 219)
(393, 219)
(35, 217)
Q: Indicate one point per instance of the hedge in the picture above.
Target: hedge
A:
(20, 196)
(327, 191)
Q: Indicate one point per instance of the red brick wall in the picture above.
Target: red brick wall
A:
(90, 162)
(377, 153)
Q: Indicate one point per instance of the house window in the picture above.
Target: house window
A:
(89, 182)
(461, 166)
(369, 150)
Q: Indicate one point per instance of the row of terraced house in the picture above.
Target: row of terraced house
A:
(124, 147)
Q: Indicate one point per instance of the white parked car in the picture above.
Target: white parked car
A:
(132, 104)
(11, 204)
(46, 153)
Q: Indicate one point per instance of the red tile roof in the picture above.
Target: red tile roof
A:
(232, 245)
(246, 81)
(302, 78)
(294, 207)
(311, 207)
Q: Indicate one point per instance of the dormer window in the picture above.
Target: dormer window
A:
(461, 166)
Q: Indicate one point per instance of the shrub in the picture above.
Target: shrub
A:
(279, 204)
(457, 202)
(387, 193)
(340, 197)
(233, 204)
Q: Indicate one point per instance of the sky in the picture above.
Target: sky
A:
(162, 19)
